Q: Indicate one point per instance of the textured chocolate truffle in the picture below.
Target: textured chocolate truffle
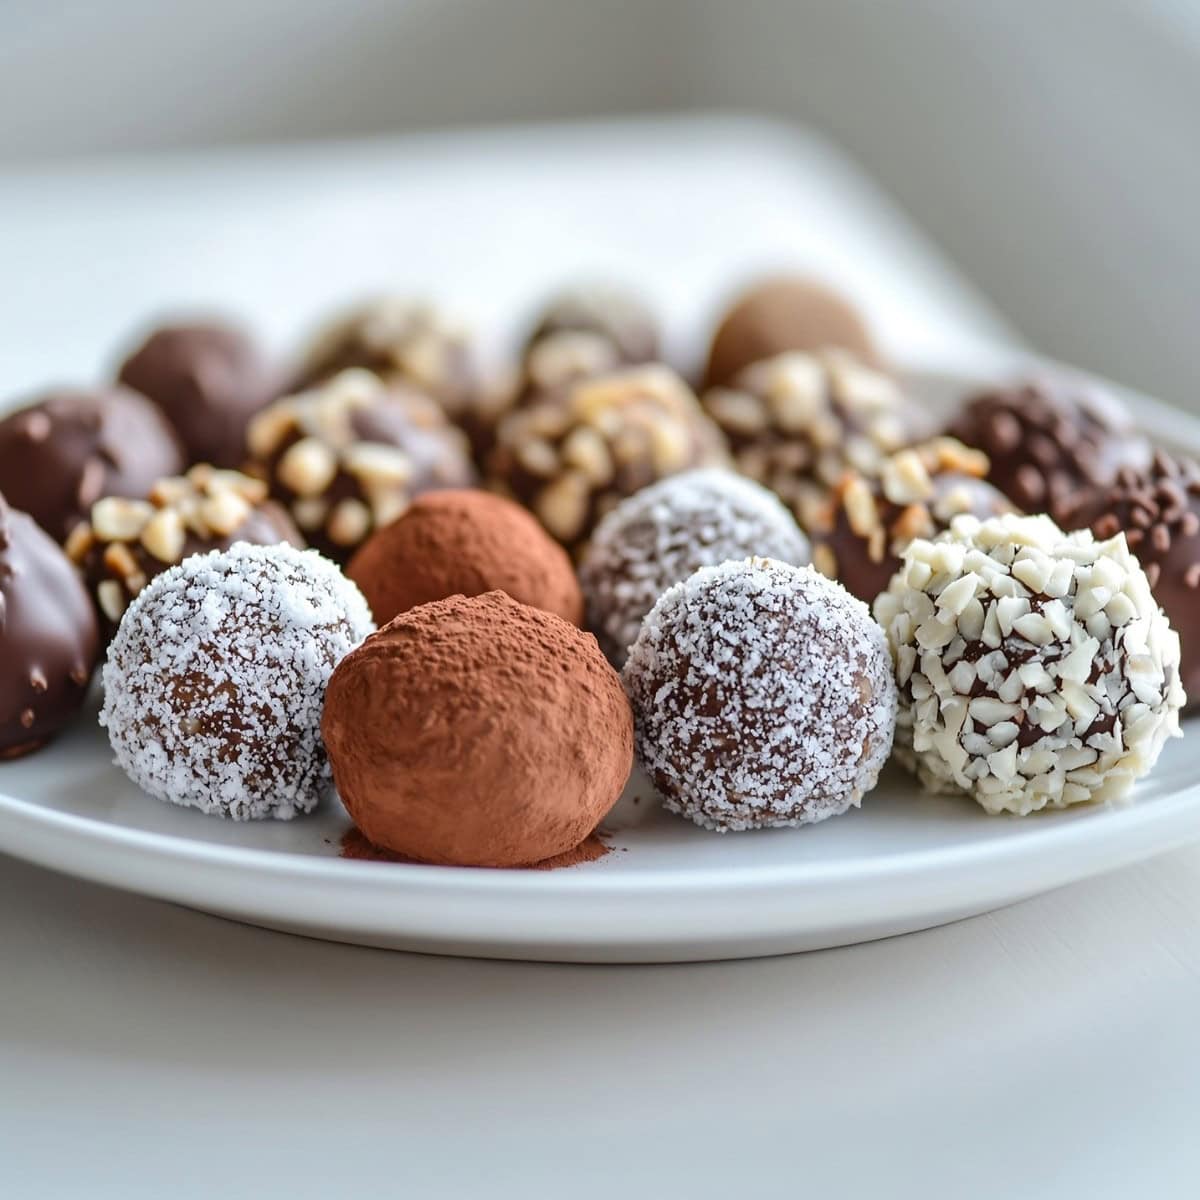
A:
(48, 638)
(215, 682)
(209, 379)
(62, 453)
(662, 534)
(1049, 439)
(778, 315)
(350, 455)
(1036, 669)
(125, 543)
(478, 732)
(464, 543)
(620, 328)
(763, 695)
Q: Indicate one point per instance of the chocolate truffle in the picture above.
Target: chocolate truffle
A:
(477, 731)
(61, 454)
(918, 491)
(763, 695)
(125, 543)
(215, 682)
(48, 639)
(464, 543)
(798, 422)
(349, 456)
(1036, 669)
(1050, 439)
(1158, 510)
(573, 459)
(209, 379)
(662, 534)
(789, 313)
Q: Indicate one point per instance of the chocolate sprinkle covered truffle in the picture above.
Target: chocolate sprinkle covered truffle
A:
(1036, 669)
(48, 639)
(763, 695)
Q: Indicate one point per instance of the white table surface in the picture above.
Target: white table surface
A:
(1050, 1049)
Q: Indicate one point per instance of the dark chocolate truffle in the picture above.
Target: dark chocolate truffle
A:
(478, 732)
(784, 314)
(62, 453)
(464, 543)
(48, 639)
(1050, 439)
(209, 379)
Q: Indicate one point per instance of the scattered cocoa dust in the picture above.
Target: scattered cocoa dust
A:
(355, 846)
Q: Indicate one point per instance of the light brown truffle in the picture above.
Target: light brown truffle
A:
(478, 732)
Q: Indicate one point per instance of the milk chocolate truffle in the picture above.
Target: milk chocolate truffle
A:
(477, 731)
(917, 493)
(350, 455)
(209, 379)
(1050, 439)
(798, 422)
(664, 533)
(215, 682)
(1036, 669)
(464, 543)
(763, 695)
(125, 543)
(788, 313)
(48, 639)
(62, 453)
(573, 459)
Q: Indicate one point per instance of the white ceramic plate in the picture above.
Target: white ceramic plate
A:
(667, 892)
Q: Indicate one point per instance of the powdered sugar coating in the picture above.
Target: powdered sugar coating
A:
(763, 695)
(662, 534)
(215, 681)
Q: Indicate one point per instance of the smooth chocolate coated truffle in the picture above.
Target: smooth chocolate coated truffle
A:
(478, 732)
(784, 314)
(917, 493)
(763, 695)
(1035, 668)
(215, 682)
(1158, 510)
(62, 453)
(349, 456)
(125, 543)
(464, 543)
(662, 534)
(1049, 439)
(48, 639)
(209, 379)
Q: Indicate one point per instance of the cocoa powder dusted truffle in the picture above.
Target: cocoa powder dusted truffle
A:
(1035, 668)
(662, 534)
(572, 459)
(215, 681)
(478, 732)
(48, 639)
(65, 451)
(763, 695)
(125, 543)
(1049, 439)
(464, 543)
(349, 456)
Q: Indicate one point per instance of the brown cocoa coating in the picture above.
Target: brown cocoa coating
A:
(478, 732)
(71, 447)
(464, 543)
(1049, 439)
(209, 379)
(787, 313)
(48, 638)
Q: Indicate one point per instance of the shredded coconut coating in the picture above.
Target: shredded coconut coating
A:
(763, 696)
(1035, 668)
(662, 534)
(215, 681)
